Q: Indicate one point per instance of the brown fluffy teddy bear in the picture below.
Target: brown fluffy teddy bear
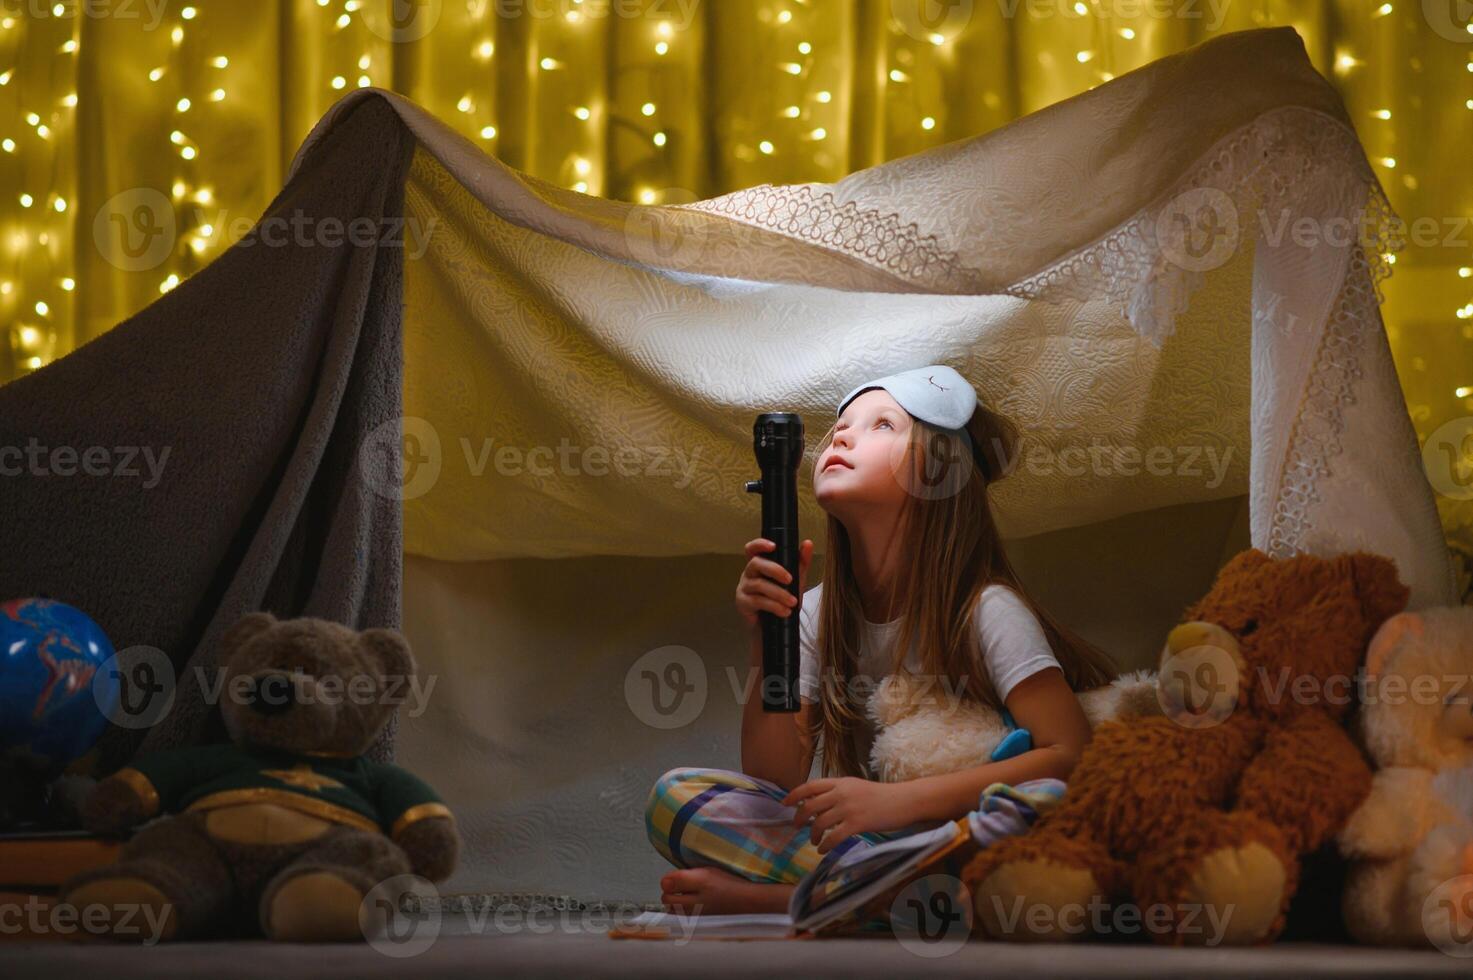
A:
(1198, 818)
(1412, 838)
(287, 827)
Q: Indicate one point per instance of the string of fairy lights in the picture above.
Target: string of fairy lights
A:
(183, 191)
(1346, 63)
(34, 340)
(38, 277)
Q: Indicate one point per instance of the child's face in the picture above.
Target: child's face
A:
(860, 469)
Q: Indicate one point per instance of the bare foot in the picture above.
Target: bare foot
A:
(712, 891)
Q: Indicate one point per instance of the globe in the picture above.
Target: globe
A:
(55, 696)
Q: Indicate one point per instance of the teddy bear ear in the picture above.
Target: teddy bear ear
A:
(390, 649)
(1246, 559)
(1389, 637)
(1380, 590)
(245, 629)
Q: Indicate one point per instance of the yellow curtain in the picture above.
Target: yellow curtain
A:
(142, 137)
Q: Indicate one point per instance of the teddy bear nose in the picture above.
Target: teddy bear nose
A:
(271, 694)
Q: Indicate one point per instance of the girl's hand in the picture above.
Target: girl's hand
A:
(763, 585)
(846, 805)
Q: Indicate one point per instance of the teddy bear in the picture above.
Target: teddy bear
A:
(922, 731)
(1414, 832)
(285, 829)
(1196, 820)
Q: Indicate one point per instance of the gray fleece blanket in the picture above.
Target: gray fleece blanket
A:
(229, 416)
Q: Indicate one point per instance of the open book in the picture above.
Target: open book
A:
(846, 893)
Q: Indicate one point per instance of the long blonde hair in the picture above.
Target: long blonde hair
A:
(952, 551)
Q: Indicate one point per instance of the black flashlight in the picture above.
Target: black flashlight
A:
(777, 441)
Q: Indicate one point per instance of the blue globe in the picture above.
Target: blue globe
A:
(55, 698)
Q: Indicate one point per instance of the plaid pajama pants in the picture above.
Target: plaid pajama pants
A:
(720, 818)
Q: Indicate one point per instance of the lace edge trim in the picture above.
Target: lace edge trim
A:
(880, 238)
(1319, 421)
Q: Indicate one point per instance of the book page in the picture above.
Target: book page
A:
(674, 925)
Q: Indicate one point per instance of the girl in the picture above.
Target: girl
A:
(913, 552)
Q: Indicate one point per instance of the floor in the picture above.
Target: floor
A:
(573, 942)
(585, 955)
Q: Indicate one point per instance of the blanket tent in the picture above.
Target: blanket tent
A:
(1043, 260)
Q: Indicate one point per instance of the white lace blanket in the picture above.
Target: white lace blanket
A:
(1169, 281)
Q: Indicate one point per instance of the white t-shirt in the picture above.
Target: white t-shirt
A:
(1011, 639)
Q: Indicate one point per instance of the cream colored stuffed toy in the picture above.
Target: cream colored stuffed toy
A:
(924, 729)
(1413, 835)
